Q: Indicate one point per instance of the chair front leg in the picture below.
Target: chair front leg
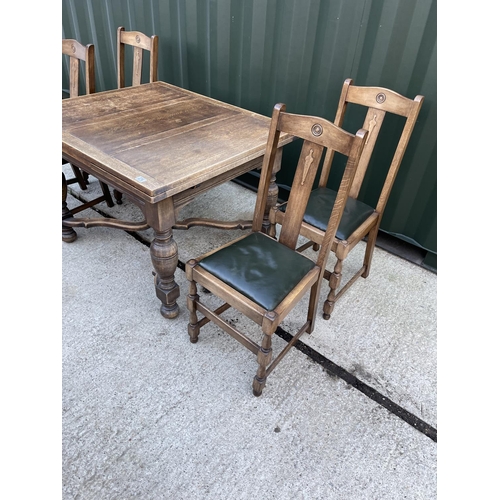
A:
(80, 177)
(264, 357)
(193, 326)
(334, 283)
(107, 194)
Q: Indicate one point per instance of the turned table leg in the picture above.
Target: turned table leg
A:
(161, 217)
(272, 197)
(164, 256)
(68, 233)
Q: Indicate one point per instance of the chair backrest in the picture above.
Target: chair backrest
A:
(140, 42)
(379, 101)
(318, 134)
(78, 52)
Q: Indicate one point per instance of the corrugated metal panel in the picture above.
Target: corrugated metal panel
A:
(255, 53)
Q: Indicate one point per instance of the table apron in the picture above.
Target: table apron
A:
(117, 183)
(180, 199)
(183, 198)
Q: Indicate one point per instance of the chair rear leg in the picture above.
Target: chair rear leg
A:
(334, 283)
(193, 326)
(370, 247)
(264, 357)
(313, 305)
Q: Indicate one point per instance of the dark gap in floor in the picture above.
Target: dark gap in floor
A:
(372, 393)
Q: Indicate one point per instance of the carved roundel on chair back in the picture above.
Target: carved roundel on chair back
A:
(316, 130)
(380, 98)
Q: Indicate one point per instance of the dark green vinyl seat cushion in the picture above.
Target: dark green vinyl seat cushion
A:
(319, 209)
(260, 268)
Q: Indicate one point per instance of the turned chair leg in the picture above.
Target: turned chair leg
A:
(80, 177)
(334, 282)
(264, 357)
(193, 326)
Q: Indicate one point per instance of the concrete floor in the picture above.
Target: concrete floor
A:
(350, 413)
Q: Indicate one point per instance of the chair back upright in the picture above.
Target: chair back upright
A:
(379, 102)
(317, 134)
(140, 42)
(78, 52)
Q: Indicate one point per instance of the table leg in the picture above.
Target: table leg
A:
(164, 256)
(68, 233)
(272, 197)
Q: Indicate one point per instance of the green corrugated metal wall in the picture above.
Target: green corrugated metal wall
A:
(255, 53)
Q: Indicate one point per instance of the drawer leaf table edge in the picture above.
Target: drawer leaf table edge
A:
(161, 146)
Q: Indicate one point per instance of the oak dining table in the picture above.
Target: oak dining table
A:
(160, 146)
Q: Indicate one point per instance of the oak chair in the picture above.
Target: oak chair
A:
(79, 53)
(264, 278)
(140, 42)
(359, 220)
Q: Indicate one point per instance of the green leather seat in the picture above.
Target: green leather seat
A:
(319, 209)
(260, 268)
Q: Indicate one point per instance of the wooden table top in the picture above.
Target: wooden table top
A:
(159, 139)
